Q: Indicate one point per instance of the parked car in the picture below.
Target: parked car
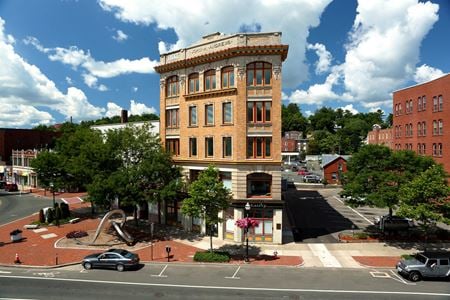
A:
(2, 184)
(11, 187)
(303, 172)
(312, 178)
(425, 264)
(118, 259)
(393, 223)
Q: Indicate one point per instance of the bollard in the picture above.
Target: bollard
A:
(56, 259)
(168, 252)
(275, 253)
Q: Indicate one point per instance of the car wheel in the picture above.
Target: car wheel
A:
(414, 276)
(87, 265)
(120, 268)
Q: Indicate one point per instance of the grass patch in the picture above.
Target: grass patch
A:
(212, 256)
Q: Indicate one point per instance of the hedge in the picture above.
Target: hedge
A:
(212, 256)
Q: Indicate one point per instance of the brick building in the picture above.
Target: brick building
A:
(220, 104)
(380, 136)
(422, 118)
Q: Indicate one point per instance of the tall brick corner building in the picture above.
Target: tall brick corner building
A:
(220, 103)
(422, 119)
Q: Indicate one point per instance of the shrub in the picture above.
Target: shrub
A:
(361, 235)
(65, 212)
(212, 256)
(76, 234)
(41, 216)
(50, 215)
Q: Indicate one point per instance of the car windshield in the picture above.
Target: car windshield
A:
(420, 258)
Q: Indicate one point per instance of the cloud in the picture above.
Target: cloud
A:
(23, 86)
(140, 108)
(135, 89)
(120, 36)
(293, 18)
(69, 80)
(325, 57)
(78, 58)
(426, 73)
(350, 108)
(381, 53)
(112, 110)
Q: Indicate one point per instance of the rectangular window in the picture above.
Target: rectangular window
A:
(435, 104)
(227, 116)
(194, 83)
(172, 118)
(441, 127)
(434, 149)
(173, 146)
(209, 114)
(209, 147)
(193, 146)
(193, 116)
(259, 147)
(424, 128)
(441, 103)
(439, 149)
(250, 112)
(227, 77)
(435, 128)
(227, 146)
(259, 111)
(419, 103)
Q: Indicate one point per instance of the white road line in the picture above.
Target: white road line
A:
(354, 210)
(212, 287)
(161, 274)
(327, 259)
(398, 278)
(234, 275)
(5, 272)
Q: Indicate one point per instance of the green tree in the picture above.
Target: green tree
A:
(207, 197)
(48, 165)
(323, 119)
(425, 198)
(375, 175)
(292, 119)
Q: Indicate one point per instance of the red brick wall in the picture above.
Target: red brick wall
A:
(434, 88)
(288, 145)
(333, 167)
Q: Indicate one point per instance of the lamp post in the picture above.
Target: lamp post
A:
(247, 209)
(53, 192)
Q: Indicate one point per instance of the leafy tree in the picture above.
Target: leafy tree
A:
(323, 141)
(425, 198)
(375, 175)
(48, 166)
(323, 119)
(292, 119)
(207, 197)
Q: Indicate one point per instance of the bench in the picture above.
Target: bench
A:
(31, 226)
(74, 220)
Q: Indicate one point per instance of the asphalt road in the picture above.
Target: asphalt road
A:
(14, 206)
(214, 282)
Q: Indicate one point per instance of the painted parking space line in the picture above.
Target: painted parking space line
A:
(161, 273)
(390, 275)
(234, 275)
(378, 274)
(398, 278)
(354, 210)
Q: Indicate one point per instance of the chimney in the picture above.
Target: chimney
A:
(123, 116)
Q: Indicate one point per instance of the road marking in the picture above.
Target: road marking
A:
(160, 274)
(400, 279)
(5, 272)
(48, 236)
(47, 275)
(355, 211)
(234, 275)
(236, 288)
(327, 259)
(380, 274)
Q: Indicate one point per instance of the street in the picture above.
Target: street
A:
(189, 281)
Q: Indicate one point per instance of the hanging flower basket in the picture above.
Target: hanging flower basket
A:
(247, 223)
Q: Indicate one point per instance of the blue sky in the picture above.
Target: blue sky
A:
(89, 59)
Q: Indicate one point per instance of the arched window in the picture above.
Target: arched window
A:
(172, 86)
(259, 74)
(210, 80)
(194, 83)
(227, 77)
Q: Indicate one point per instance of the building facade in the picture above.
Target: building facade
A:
(380, 136)
(220, 104)
(422, 119)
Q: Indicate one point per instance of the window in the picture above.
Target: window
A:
(210, 80)
(410, 106)
(424, 128)
(424, 103)
(173, 146)
(424, 149)
(192, 146)
(396, 109)
(435, 104)
(227, 113)
(440, 127)
(172, 118)
(399, 109)
(407, 106)
(419, 103)
(419, 129)
(259, 74)
(435, 127)
(193, 116)
(434, 149)
(259, 185)
(194, 83)
(259, 111)
(227, 146)
(209, 147)
(172, 86)
(227, 77)
(439, 150)
(259, 147)
(209, 114)
(441, 103)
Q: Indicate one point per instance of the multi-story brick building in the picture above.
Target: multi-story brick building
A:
(422, 119)
(379, 136)
(220, 103)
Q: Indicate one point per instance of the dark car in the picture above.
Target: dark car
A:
(2, 184)
(11, 187)
(118, 259)
(425, 264)
(393, 223)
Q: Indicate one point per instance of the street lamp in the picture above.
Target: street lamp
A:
(247, 209)
(53, 192)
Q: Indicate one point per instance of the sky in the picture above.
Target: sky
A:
(84, 60)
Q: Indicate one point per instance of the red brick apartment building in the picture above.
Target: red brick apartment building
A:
(220, 103)
(422, 119)
(380, 136)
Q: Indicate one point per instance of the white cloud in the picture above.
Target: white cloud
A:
(23, 86)
(135, 89)
(112, 110)
(382, 52)
(140, 108)
(350, 108)
(325, 57)
(293, 18)
(78, 58)
(69, 80)
(120, 36)
(426, 73)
